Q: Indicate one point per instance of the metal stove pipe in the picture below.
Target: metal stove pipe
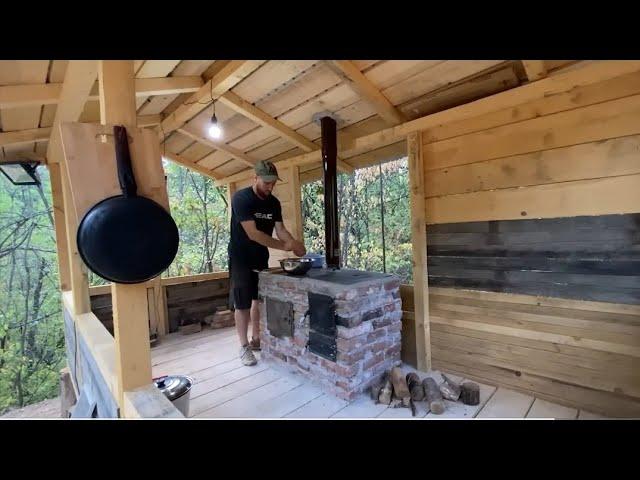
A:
(329, 167)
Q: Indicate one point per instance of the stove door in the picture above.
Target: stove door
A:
(279, 317)
(322, 326)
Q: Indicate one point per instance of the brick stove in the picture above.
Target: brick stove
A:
(339, 328)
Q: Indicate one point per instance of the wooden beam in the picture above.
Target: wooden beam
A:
(238, 154)
(130, 306)
(78, 81)
(562, 82)
(64, 272)
(225, 79)
(587, 75)
(24, 136)
(298, 225)
(368, 91)
(253, 113)
(149, 120)
(419, 242)
(535, 69)
(231, 190)
(79, 78)
(117, 97)
(176, 158)
(12, 96)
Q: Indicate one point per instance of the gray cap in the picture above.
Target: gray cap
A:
(267, 171)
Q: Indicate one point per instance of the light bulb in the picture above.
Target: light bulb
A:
(214, 130)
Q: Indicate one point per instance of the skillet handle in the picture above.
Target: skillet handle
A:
(123, 157)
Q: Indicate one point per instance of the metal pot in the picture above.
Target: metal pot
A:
(296, 266)
(177, 388)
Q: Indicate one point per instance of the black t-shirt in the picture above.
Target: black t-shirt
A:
(246, 205)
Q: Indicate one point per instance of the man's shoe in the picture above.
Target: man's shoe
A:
(247, 357)
(254, 344)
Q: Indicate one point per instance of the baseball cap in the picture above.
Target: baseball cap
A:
(267, 171)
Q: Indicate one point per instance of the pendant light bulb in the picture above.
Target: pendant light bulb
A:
(214, 129)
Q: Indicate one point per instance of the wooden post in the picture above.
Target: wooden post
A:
(77, 268)
(296, 199)
(62, 248)
(130, 306)
(419, 241)
(231, 189)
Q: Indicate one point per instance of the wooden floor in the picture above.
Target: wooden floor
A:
(224, 388)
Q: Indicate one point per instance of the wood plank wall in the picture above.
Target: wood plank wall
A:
(584, 258)
(575, 154)
(187, 302)
(576, 353)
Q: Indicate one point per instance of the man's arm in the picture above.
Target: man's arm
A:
(263, 239)
(284, 235)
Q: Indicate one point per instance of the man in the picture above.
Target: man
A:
(255, 212)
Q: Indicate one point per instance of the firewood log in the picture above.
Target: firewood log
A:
(415, 387)
(470, 393)
(433, 395)
(400, 387)
(449, 389)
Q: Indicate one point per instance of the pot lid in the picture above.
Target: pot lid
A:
(173, 386)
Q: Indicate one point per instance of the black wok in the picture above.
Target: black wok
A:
(127, 238)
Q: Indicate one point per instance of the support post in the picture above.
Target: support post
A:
(296, 199)
(130, 305)
(419, 241)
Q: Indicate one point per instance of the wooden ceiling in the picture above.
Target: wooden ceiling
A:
(266, 108)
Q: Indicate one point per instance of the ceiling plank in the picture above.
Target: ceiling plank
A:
(562, 82)
(24, 136)
(78, 81)
(176, 158)
(228, 77)
(238, 154)
(12, 96)
(535, 69)
(368, 91)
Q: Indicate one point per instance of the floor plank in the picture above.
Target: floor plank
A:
(321, 407)
(544, 409)
(204, 344)
(584, 415)
(198, 361)
(292, 400)
(203, 387)
(506, 403)
(363, 407)
(204, 405)
(247, 404)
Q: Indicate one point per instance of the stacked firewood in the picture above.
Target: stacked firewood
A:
(398, 390)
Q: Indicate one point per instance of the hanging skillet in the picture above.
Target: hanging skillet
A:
(127, 238)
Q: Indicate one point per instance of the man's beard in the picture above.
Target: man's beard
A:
(262, 193)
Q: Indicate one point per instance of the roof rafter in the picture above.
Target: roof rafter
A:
(535, 69)
(586, 75)
(367, 91)
(234, 152)
(253, 113)
(225, 79)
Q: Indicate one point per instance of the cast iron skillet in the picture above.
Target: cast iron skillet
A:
(127, 238)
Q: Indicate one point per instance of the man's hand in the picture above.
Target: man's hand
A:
(289, 245)
(298, 249)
